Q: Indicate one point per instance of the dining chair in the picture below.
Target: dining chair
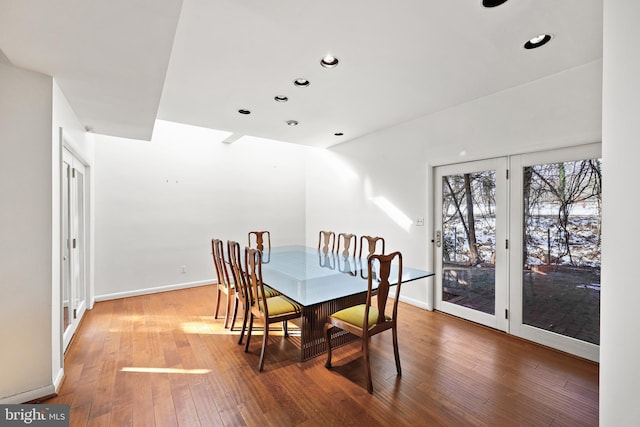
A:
(366, 320)
(347, 242)
(346, 253)
(372, 245)
(326, 239)
(269, 309)
(260, 238)
(225, 285)
(242, 291)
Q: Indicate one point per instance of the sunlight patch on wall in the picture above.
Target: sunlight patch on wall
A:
(166, 370)
(393, 212)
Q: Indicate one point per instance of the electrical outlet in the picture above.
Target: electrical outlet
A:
(183, 269)
(420, 222)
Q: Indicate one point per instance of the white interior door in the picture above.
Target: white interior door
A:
(74, 248)
(470, 223)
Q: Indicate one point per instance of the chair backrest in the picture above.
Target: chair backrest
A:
(259, 238)
(256, 294)
(384, 263)
(217, 249)
(326, 239)
(239, 278)
(372, 243)
(347, 242)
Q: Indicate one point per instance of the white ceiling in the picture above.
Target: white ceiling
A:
(124, 63)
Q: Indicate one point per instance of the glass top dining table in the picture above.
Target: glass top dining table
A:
(309, 276)
(322, 283)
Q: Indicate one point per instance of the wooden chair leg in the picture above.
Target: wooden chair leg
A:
(327, 337)
(246, 345)
(265, 338)
(367, 367)
(396, 352)
(235, 312)
(244, 325)
(226, 314)
(285, 328)
(215, 315)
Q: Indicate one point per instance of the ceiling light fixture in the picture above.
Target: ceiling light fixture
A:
(243, 111)
(537, 41)
(281, 98)
(292, 122)
(492, 3)
(301, 82)
(329, 61)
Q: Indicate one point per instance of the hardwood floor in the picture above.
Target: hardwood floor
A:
(162, 359)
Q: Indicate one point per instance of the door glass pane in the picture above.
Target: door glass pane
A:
(469, 236)
(562, 232)
(66, 248)
(80, 250)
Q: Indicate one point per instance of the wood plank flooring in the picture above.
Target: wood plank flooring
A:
(162, 360)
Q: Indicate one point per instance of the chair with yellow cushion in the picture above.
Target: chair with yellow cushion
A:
(240, 278)
(372, 245)
(353, 319)
(225, 285)
(269, 309)
(347, 244)
(326, 239)
(257, 240)
(346, 253)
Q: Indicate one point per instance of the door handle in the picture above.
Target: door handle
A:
(438, 238)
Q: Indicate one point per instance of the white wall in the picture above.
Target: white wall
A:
(159, 204)
(396, 163)
(26, 238)
(620, 342)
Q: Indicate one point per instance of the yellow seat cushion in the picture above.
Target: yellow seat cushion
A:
(355, 315)
(280, 305)
(270, 292)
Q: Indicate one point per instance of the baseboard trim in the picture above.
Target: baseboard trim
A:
(415, 302)
(164, 288)
(57, 381)
(29, 396)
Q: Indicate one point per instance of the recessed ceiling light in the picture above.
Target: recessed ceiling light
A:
(243, 111)
(537, 41)
(292, 122)
(338, 134)
(301, 82)
(329, 61)
(281, 98)
(492, 3)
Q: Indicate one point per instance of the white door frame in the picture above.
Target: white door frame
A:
(497, 320)
(75, 313)
(551, 339)
(514, 229)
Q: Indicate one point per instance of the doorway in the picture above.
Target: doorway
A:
(518, 245)
(74, 244)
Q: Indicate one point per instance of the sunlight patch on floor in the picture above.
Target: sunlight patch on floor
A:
(166, 370)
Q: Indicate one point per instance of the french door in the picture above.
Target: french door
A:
(471, 268)
(74, 249)
(518, 245)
